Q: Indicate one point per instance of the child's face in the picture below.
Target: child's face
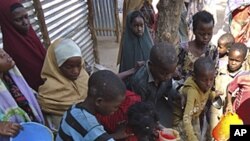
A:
(71, 68)
(108, 107)
(6, 62)
(235, 60)
(203, 33)
(20, 20)
(205, 80)
(138, 26)
(222, 49)
(163, 73)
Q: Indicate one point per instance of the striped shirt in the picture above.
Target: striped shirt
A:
(80, 125)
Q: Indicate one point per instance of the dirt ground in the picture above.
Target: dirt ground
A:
(108, 48)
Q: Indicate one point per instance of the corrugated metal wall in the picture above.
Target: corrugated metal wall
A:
(66, 19)
(104, 17)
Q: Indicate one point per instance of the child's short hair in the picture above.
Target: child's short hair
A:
(241, 47)
(202, 16)
(105, 84)
(136, 14)
(228, 38)
(162, 53)
(203, 64)
(141, 117)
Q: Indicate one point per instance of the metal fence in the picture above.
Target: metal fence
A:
(104, 17)
(65, 19)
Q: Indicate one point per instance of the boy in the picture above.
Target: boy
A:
(197, 90)
(236, 58)
(153, 81)
(224, 42)
(106, 91)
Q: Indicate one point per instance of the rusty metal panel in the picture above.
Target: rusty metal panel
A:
(65, 19)
(104, 17)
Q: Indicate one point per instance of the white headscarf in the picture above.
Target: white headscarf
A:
(65, 50)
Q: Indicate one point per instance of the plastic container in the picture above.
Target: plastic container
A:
(168, 134)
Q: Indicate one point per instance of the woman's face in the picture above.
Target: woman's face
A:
(71, 68)
(6, 62)
(20, 20)
(138, 26)
(203, 33)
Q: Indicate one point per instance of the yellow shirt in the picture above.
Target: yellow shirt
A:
(196, 101)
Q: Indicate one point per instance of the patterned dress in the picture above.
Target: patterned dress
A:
(187, 59)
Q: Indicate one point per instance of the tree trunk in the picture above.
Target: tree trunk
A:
(168, 20)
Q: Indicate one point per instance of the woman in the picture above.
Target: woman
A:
(238, 12)
(65, 80)
(17, 101)
(21, 42)
(137, 42)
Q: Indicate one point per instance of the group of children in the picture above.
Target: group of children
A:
(103, 108)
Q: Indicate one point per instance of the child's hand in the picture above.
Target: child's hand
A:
(229, 108)
(9, 128)
(218, 93)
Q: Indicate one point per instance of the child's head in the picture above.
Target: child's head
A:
(137, 23)
(204, 73)
(162, 61)
(106, 90)
(69, 58)
(224, 43)
(203, 24)
(142, 119)
(236, 56)
(20, 19)
(6, 62)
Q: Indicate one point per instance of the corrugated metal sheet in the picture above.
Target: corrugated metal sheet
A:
(104, 17)
(65, 19)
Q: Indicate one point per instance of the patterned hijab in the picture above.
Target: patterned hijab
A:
(58, 93)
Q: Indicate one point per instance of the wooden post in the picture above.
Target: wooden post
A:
(41, 21)
(116, 20)
(91, 27)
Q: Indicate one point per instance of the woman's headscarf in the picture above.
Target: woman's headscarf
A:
(58, 93)
(134, 48)
(26, 50)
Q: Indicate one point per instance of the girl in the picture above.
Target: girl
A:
(65, 80)
(137, 42)
(189, 52)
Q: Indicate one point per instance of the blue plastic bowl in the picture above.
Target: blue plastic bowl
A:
(33, 131)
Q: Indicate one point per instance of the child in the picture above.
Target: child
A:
(241, 87)
(137, 41)
(197, 89)
(65, 80)
(224, 42)
(106, 91)
(153, 81)
(236, 58)
(120, 116)
(143, 121)
(189, 52)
